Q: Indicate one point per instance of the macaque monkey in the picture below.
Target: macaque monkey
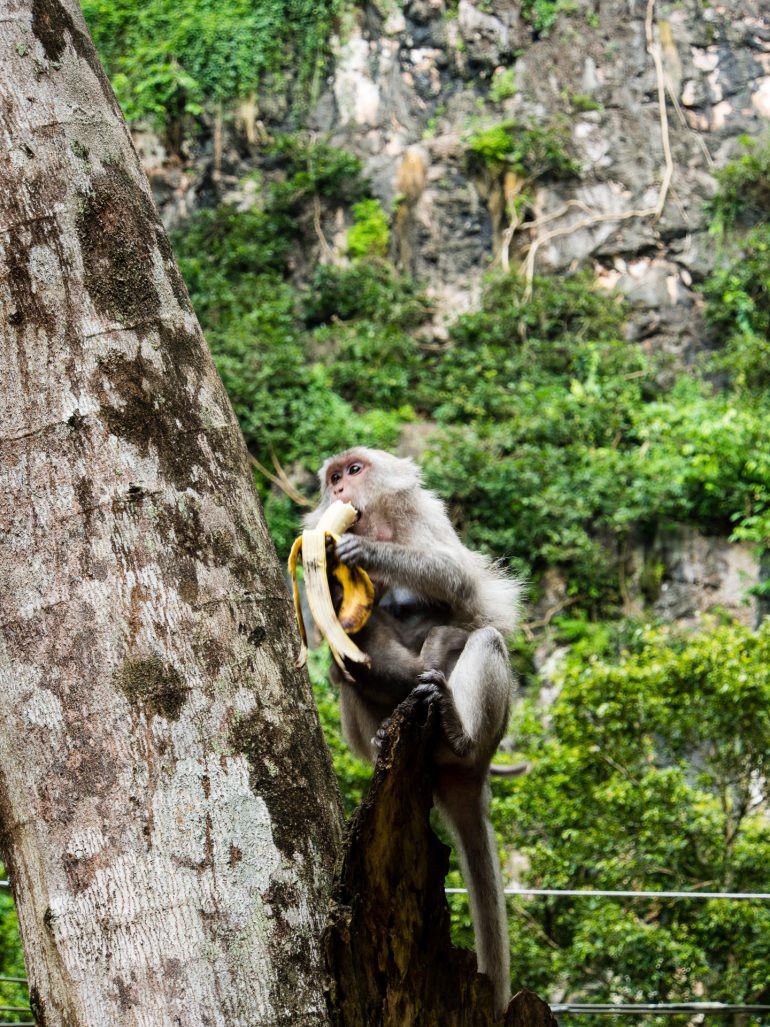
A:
(438, 626)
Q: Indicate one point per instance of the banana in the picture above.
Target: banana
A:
(357, 589)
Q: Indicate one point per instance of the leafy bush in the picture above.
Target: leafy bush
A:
(11, 958)
(374, 365)
(644, 780)
(532, 152)
(503, 85)
(584, 102)
(738, 309)
(369, 235)
(236, 265)
(542, 14)
(365, 288)
(557, 442)
(353, 774)
(313, 168)
(743, 196)
(165, 59)
(364, 313)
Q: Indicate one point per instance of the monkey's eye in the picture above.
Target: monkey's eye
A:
(354, 468)
(334, 478)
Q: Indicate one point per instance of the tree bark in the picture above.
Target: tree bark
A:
(169, 815)
(390, 959)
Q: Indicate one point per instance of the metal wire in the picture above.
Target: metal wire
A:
(657, 1008)
(12, 980)
(756, 896)
(608, 893)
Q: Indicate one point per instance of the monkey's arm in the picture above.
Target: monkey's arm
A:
(433, 575)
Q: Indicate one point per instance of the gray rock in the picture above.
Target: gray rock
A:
(491, 34)
(704, 573)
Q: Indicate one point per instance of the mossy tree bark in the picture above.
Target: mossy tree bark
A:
(169, 814)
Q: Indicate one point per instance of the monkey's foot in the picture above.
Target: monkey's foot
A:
(434, 687)
(382, 730)
(434, 677)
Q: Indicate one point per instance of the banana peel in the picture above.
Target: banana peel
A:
(357, 588)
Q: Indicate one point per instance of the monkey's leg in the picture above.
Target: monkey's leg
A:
(481, 689)
(474, 702)
(394, 667)
(442, 647)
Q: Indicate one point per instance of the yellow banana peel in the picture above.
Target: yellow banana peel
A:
(357, 588)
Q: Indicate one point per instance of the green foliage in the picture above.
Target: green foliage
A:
(353, 775)
(374, 365)
(503, 85)
(584, 102)
(307, 374)
(364, 315)
(11, 958)
(314, 168)
(557, 440)
(743, 196)
(738, 309)
(644, 780)
(367, 288)
(165, 59)
(369, 235)
(542, 14)
(532, 152)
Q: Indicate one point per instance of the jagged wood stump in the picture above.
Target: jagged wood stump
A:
(388, 951)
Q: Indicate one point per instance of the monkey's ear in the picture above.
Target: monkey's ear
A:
(405, 474)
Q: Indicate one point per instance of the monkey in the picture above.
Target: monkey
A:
(437, 630)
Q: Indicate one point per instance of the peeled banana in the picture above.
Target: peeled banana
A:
(357, 588)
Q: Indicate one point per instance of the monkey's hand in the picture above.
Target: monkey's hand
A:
(354, 551)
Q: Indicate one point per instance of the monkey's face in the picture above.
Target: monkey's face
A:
(369, 479)
(347, 479)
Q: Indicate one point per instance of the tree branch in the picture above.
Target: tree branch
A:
(388, 952)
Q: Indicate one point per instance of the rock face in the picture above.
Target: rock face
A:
(422, 76)
(426, 75)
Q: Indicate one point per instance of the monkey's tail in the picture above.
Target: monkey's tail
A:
(466, 810)
(509, 769)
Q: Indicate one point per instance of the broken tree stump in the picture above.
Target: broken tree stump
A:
(389, 957)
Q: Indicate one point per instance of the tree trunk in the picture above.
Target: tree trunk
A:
(169, 815)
